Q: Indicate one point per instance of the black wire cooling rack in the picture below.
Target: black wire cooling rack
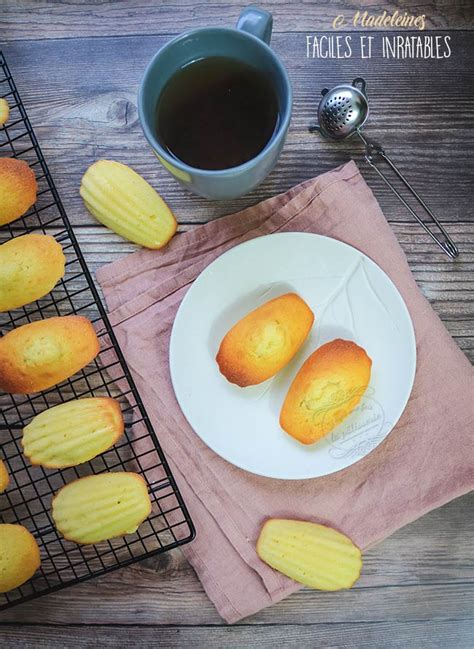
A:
(28, 498)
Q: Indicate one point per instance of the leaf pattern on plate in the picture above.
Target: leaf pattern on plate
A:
(342, 294)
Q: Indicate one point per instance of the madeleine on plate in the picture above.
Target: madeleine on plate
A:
(326, 390)
(265, 340)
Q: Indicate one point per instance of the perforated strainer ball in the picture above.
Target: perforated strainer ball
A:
(343, 109)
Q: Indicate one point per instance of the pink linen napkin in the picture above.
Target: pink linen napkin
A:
(423, 463)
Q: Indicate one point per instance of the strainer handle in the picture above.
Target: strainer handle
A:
(360, 84)
(372, 150)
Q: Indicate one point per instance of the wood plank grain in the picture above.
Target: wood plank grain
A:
(448, 286)
(435, 634)
(39, 19)
(416, 588)
(422, 572)
(87, 110)
(143, 601)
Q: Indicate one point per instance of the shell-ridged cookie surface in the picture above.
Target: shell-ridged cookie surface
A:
(73, 432)
(101, 507)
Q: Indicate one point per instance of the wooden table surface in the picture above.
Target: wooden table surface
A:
(77, 66)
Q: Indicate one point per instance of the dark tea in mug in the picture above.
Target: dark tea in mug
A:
(216, 113)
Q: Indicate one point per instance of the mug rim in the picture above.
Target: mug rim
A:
(182, 166)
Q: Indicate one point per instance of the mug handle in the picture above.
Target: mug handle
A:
(257, 22)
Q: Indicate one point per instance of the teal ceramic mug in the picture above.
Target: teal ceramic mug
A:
(247, 43)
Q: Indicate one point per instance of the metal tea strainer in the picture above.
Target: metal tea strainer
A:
(342, 112)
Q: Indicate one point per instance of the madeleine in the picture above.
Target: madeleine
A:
(19, 556)
(30, 266)
(326, 390)
(73, 432)
(41, 354)
(18, 189)
(265, 340)
(101, 507)
(122, 200)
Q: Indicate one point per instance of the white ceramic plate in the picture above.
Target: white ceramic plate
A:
(351, 298)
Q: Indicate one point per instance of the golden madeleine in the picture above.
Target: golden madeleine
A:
(314, 555)
(101, 507)
(73, 432)
(122, 200)
(4, 477)
(265, 340)
(30, 267)
(18, 189)
(19, 556)
(4, 111)
(38, 355)
(326, 390)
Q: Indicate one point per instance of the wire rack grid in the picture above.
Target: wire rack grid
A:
(28, 498)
